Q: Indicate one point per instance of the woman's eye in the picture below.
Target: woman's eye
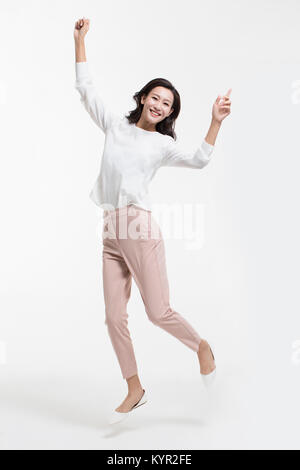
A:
(155, 98)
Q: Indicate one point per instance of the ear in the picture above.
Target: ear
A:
(143, 97)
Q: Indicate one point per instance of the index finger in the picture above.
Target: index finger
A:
(228, 92)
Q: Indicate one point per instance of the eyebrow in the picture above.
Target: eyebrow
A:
(166, 99)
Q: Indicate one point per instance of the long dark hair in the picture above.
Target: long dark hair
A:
(167, 125)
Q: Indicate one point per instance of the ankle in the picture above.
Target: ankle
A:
(134, 385)
(203, 346)
(135, 390)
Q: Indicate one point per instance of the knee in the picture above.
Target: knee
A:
(115, 320)
(157, 318)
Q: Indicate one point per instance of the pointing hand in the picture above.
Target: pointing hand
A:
(221, 107)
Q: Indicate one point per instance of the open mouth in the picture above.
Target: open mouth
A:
(154, 114)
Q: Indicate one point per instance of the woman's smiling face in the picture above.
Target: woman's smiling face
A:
(157, 105)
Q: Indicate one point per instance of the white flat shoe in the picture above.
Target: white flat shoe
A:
(117, 416)
(209, 379)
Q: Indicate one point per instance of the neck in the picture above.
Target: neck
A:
(146, 125)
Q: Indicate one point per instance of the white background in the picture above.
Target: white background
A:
(59, 375)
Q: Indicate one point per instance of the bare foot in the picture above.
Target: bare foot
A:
(131, 399)
(206, 360)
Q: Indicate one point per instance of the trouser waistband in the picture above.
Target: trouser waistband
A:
(123, 210)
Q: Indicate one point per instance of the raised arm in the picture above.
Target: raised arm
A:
(175, 155)
(81, 28)
(94, 105)
(220, 110)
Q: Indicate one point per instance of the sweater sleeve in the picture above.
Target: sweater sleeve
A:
(94, 105)
(175, 155)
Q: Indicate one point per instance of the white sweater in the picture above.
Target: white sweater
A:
(131, 155)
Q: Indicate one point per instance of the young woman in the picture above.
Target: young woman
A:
(135, 147)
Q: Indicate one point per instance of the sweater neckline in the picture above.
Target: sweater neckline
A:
(144, 130)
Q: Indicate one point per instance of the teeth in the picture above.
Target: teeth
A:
(156, 114)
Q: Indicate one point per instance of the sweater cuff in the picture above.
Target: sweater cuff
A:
(208, 148)
(81, 69)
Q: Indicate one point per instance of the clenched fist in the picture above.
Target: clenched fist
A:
(81, 28)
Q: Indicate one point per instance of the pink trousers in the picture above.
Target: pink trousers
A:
(133, 247)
